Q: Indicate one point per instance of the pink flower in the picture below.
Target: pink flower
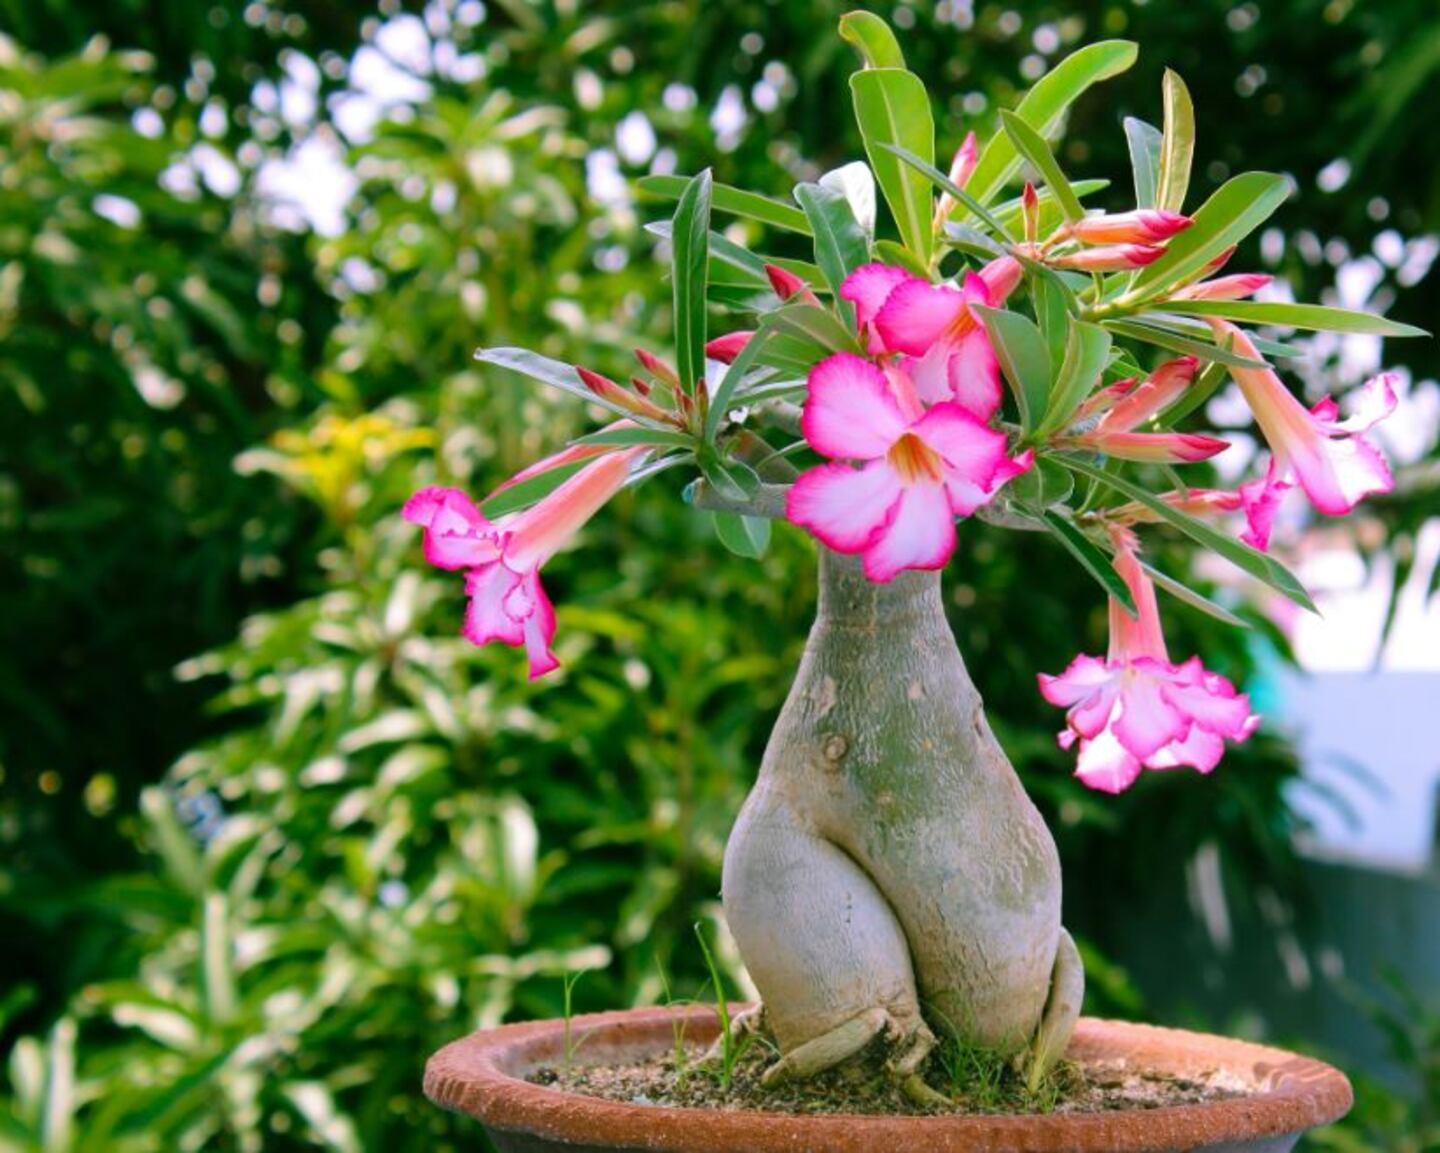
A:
(1143, 226)
(1135, 709)
(1235, 287)
(918, 470)
(1123, 410)
(502, 561)
(1112, 258)
(1333, 462)
(726, 348)
(948, 351)
(1258, 500)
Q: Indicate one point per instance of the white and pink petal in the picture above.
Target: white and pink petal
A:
(850, 412)
(844, 507)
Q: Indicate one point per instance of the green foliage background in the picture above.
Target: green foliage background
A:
(271, 832)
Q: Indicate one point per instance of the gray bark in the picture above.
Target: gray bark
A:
(888, 858)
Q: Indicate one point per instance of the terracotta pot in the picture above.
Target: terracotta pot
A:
(484, 1074)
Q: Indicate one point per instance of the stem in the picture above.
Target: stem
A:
(779, 414)
(768, 501)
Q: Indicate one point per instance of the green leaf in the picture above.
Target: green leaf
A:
(817, 324)
(690, 245)
(1043, 484)
(638, 436)
(747, 536)
(1087, 350)
(732, 479)
(555, 373)
(892, 107)
(734, 265)
(734, 374)
(1237, 208)
(1024, 359)
(873, 39)
(1032, 146)
(1050, 298)
(1195, 600)
(1145, 143)
(1044, 106)
(1092, 559)
(1152, 332)
(1263, 568)
(735, 201)
(945, 184)
(892, 253)
(1314, 317)
(1179, 144)
(841, 245)
(524, 493)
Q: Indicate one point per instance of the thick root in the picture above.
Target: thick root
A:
(1062, 1010)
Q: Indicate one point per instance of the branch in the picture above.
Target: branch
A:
(1002, 516)
(768, 501)
(779, 414)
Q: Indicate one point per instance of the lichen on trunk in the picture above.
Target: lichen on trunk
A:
(888, 874)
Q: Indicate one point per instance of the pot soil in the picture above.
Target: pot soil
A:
(1140, 1088)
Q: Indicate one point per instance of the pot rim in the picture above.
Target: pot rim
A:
(482, 1075)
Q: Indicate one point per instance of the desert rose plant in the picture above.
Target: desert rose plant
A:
(1012, 356)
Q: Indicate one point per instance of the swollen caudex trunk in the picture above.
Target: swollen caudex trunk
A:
(888, 869)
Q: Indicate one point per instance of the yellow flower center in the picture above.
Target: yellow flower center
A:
(914, 460)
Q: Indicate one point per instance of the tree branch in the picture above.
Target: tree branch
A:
(768, 501)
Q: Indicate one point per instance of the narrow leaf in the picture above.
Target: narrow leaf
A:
(1024, 359)
(735, 201)
(1236, 209)
(1145, 141)
(1032, 146)
(1201, 390)
(892, 107)
(945, 184)
(1091, 558)
(1179, 144)
(526, 492)
(720, 401)
(841, 245)
(638, 436)
(1263, 568)
(555, 373)
(1195, 600)
(1044, 106)
(1174, 341)
(691, 255)
(1313, 317)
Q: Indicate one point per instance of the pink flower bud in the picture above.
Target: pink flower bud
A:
(726, 348)
(1235, 287)
(1143, 226)
(1114, 258)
